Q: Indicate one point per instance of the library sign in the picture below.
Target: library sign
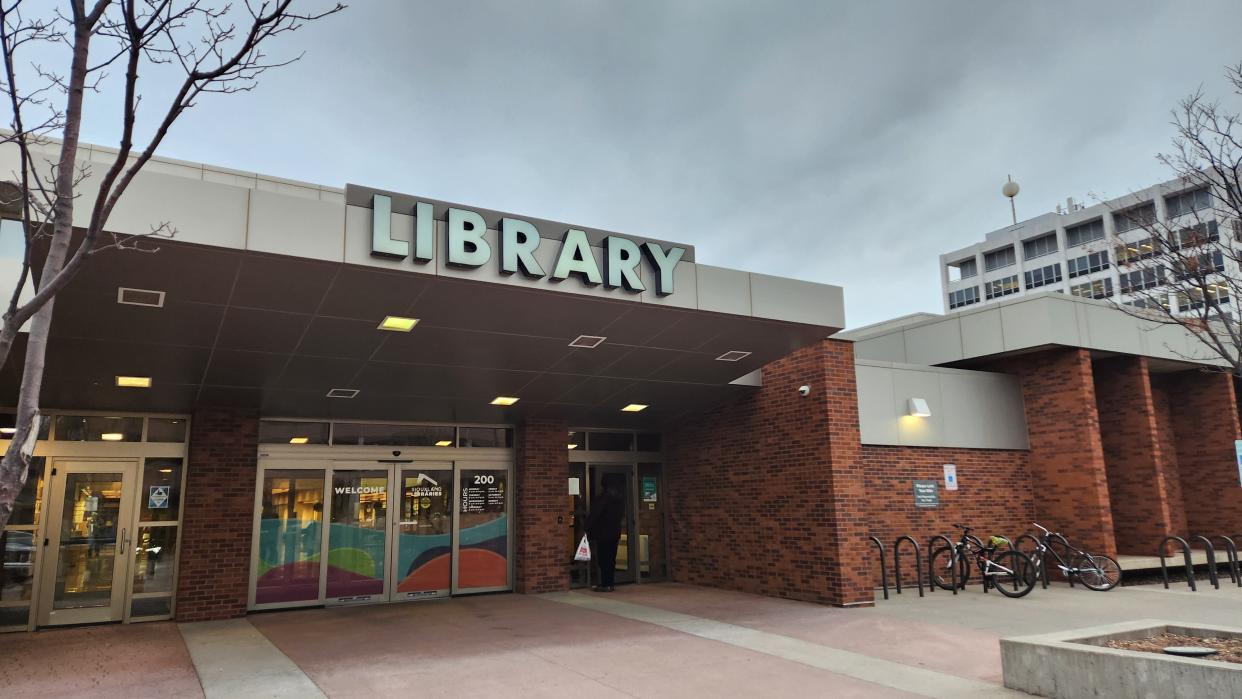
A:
(466, 247)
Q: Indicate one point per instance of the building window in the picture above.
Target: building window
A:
(1044, 275)
(1188, 202)
(1038, 247)
(963, 270)
(1199, 266)
(1141, 279)
(1200, 234)
(1135, 217)
(998, 258)
(1001, 287)
(1084, 233)
(963, 297)
(1087, 264)
(1194, 299)
(1098, 289)
(1128, 253)
(1157, 301)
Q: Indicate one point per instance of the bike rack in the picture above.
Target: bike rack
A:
(931, 575)
(883, 565)
(1043, 560)
(918, 562)
(1190, 568)
(1211, 560)
(1231, 552)
(1068, 578)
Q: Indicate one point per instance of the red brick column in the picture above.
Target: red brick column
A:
(542, 468)
(214, 571)
(766, 493)
(1067, 458)
(1205, 420)
(1142, 471)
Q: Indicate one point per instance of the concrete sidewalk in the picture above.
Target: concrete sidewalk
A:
(653, 640)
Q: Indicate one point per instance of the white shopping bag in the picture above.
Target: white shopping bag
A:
(584, 550)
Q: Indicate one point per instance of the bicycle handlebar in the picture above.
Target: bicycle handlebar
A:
(1041, 528)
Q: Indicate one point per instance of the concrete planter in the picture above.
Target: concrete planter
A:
(1074, 664)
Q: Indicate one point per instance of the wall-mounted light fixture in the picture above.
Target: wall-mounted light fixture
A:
(917, 407)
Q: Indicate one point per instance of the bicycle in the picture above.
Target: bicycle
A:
(1096, 572)
(1011, 572)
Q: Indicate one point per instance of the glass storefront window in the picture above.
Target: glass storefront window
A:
(354, 433)
(649, 441)
(290, 532)
(26, 507)
(160, 496)
(165, 429)
(95, 428)
(424, 543)
(151, 606)
(483, 549)
(610, 441)
(155, 556)
(356, 537)
(577, 440)
(17, 554)
(282, 432)
(14, 616)
(497, 437)
(8, 421)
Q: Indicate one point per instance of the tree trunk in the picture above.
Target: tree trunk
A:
(15, 465)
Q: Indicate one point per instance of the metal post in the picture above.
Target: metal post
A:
(918, 562)
(1190, 567)
(1043, 559)
(931, 576)
(1211, 560)
(883, 566)
(1231, 552)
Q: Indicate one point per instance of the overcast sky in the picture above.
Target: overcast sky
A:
(848, 143)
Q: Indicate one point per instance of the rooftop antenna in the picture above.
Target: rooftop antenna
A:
(1010, 189)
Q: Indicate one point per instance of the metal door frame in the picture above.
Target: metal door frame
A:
(54, 490)
(345, 466)
(507, 469)
(394, 545)
(629, 469)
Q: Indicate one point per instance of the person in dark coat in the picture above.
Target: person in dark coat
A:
(604, 529)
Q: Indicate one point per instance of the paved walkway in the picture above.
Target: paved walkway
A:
(656, 640)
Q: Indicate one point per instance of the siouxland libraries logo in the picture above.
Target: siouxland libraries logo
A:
(466, 247)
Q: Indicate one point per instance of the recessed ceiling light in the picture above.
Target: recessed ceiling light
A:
(588, 341)
(112, 436)
(444, 443)
(139, 297)
(398, 324)
(133, 381)
(504, 400)
(8, 430)
(165, 470)
(634, 408)
(342, 393)
(299, 440)
(573, 446)
(733, 356)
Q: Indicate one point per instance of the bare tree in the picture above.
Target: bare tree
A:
(210, 48)
(1185, 268)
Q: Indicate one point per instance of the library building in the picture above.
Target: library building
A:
(314, 395)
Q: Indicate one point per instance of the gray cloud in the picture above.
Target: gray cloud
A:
(847, 143)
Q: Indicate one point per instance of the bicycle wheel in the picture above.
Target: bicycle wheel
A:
(940, 570)
(1018, 575)
(1099, 573)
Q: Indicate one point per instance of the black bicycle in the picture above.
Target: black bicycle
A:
(1095, 571)
(1011, 572)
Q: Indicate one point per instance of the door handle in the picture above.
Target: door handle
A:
(124, 541)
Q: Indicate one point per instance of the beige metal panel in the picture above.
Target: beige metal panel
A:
(981, 333)
(1029, 325)
(918, 431)
(289, 225)
(983, 410)
(883, 348)
(685, 286)
(876, 421)
(289, 187)
(1106, 329)
(723, 290)
(230, 177)
(205, 213)
(796, 301)
(934, 343)
(332, 195)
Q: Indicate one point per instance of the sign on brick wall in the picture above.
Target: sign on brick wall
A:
(926, 494)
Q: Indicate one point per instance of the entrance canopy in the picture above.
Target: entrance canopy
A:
(271, 294)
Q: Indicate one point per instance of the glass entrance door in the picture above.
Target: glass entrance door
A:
(627, 551)
(423, 543)
(357, 534)
(88, 543)
(481, 542)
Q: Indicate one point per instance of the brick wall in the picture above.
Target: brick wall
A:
(1205, 422)
(1139, 460)
(767, 494)
(542, 470)
(214, 572)
(994, 496)
(1066, 458)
